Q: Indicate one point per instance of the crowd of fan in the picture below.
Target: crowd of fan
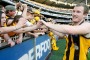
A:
(19, 20)
(51, 8)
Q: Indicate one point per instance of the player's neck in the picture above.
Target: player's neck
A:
(78, 23)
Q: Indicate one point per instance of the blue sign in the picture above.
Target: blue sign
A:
(28, 50)
(42, 47)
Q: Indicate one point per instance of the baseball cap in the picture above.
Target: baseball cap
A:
(10, 7)
(37, 18)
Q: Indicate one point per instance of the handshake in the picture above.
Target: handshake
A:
(42, 22)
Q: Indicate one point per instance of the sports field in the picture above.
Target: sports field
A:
(58, 55)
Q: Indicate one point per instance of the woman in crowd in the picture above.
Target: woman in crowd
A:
(19, 25)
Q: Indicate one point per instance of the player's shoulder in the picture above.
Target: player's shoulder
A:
(86, 23)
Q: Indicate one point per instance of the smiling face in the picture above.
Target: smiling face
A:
(78, 14)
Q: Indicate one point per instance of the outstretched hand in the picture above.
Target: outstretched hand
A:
(43, 22)
(22, 22)
(39, 23)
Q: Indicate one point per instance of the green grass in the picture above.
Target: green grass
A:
(88, 55)
(58, 55)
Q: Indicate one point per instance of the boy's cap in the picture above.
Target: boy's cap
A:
(10, 7)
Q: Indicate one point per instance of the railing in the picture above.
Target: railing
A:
(30, 49)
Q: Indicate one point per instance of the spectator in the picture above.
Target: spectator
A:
(8, 36)
(10, 13)
(19, 25)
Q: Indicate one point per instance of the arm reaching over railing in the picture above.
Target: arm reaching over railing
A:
(19, 25)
